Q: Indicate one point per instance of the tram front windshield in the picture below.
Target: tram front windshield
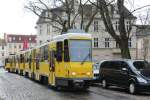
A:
(80, 50)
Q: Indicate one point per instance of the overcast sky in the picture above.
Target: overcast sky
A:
(14, 19)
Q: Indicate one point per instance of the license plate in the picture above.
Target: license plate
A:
(78, 80)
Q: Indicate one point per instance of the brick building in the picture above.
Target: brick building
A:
(15, 42)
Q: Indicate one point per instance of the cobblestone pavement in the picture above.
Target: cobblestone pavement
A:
(15, 87)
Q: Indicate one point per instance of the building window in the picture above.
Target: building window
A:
(74, 26)
(13, 38)
(2, 47)
(20, 46)
(48, 29)
(128, 25)
(117, 25)
(15, 46)
(40, 29)
(95, 42)
(30, 39)
(107, 43)
(117, 45)
(19, 38)
(40, 42)
(95, 26)
(2, 54)
(129, 43)
(9, 39)
(9, 45)
(83, 26)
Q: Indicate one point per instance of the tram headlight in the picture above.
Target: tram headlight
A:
(88, 73)
(73, 73)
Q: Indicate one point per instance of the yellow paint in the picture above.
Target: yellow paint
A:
(21, 67)
(7, 66)
(44, 68)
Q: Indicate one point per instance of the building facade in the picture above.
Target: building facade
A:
(143, 42)
(3, 50)
(15, 43)
(104, 46)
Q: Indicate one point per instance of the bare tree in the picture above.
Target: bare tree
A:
(66, 18)
(145, 18)
(144, 29)
(123, 36)
(124, 33)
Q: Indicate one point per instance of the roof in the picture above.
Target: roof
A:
(128, 14)
(53, 12)
(72, 36)
(13, 38)
(66, 36)
(88, 10)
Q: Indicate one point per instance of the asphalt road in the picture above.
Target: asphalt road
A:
(15, 87)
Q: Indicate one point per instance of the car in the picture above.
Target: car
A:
(1, 64)
(96, 67)
(133, 75)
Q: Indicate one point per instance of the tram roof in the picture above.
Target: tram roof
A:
(61, 38)
(72, 36)
(67, 36)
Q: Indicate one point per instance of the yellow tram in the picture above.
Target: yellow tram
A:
(19, 60)
(10, 63)
(65, 61)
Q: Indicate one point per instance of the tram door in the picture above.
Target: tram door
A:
(34, 64)
(52, 68)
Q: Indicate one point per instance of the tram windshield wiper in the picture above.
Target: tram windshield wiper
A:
(85, 59)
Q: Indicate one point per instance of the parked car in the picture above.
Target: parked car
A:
(96, 67)
(1, 64)
(131, 74)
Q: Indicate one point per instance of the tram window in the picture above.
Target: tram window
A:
(37, 59)
(52, 61)
(80, 52)
(66, 51)
(42, 54)
(21, 58)
(26, 58)
(6, 60)
(30, 58)
(59, 51)
(15, 60)
(46, 52)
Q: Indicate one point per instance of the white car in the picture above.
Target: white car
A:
(1, 64)
(96, 68)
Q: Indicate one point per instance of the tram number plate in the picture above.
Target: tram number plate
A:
(78, 80)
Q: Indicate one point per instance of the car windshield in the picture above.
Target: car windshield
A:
(141, 65)
(80, 50)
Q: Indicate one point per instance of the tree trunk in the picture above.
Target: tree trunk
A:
(125, 52)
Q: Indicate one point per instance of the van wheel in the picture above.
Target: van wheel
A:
(104, 84)
(132, 88)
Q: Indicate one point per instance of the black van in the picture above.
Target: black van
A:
(131, 74)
